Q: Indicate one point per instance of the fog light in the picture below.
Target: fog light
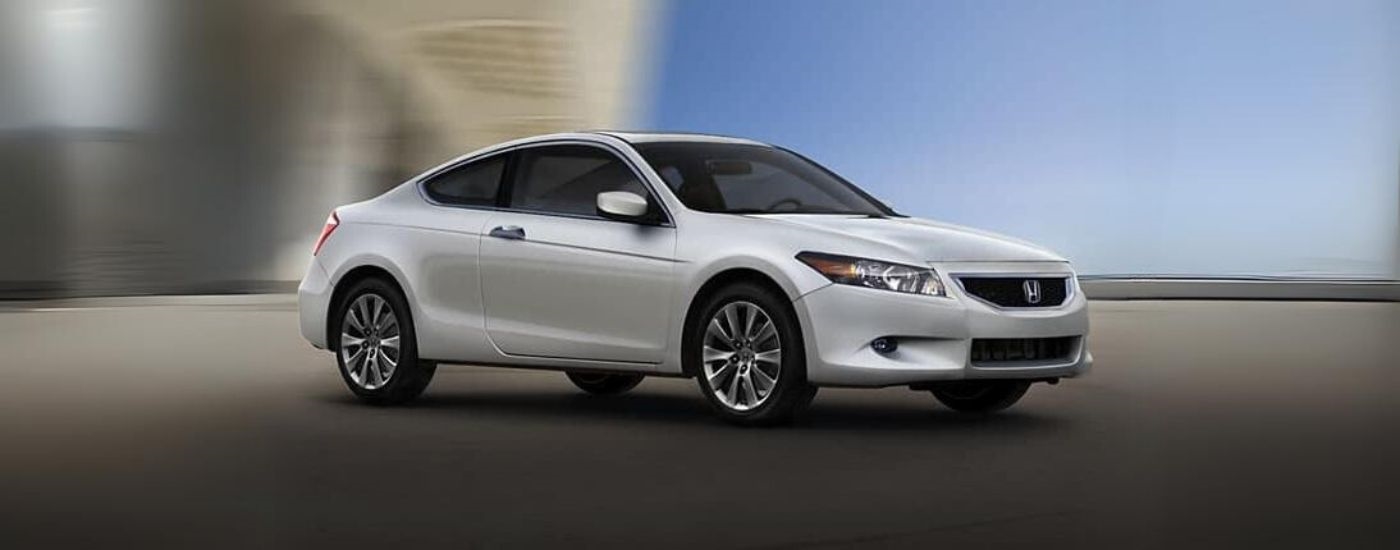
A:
(884, 345)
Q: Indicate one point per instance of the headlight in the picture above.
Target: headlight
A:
(875, 274)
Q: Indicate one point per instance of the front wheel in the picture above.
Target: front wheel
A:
(980, 396)
(746, 349)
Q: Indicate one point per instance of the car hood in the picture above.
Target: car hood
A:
(925, 239)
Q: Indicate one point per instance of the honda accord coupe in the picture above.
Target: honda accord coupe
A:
(614, 256)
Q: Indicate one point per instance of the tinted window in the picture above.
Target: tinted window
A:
(747, 179)
(476, 183)
(567, 179)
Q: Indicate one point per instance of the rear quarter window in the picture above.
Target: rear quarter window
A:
(476, 183)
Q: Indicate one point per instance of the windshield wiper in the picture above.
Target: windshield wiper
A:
(819, 212)
(830, 213)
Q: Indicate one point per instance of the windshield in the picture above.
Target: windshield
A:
(754, 179)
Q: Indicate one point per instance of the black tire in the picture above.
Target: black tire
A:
(600, 383)
(790, 394)
(409, 375)
(980, 396)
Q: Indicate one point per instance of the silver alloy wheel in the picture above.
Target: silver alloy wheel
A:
(369, 341)
(742, 355)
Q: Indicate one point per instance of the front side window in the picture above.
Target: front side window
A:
(753, 179)
(566, 179)
(476, 183)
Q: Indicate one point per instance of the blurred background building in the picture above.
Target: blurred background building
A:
(167, 146)
(164, 146)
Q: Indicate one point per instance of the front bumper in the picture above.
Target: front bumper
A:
(934, 334)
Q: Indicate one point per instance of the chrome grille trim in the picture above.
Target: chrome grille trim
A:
(1067, 278)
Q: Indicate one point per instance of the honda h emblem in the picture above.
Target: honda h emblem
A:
(1032, 289)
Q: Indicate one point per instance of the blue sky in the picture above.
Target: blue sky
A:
(1182, 137)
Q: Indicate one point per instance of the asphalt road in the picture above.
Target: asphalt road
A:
(198, 425)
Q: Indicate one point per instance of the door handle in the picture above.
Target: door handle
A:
(512, 232)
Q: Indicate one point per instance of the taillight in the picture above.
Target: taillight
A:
(332, 222)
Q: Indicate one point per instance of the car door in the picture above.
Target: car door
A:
(560, 281)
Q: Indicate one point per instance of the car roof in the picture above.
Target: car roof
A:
(652, 137)
(593, 135)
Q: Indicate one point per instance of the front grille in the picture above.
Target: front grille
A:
(998, 350)
(1018, 291)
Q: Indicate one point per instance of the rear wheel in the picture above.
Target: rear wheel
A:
(746, 349)
(980, 396)
(604, 383)
(377, 349)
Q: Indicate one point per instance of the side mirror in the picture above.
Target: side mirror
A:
(622, 205)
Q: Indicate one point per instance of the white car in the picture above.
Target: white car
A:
(613, 256)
